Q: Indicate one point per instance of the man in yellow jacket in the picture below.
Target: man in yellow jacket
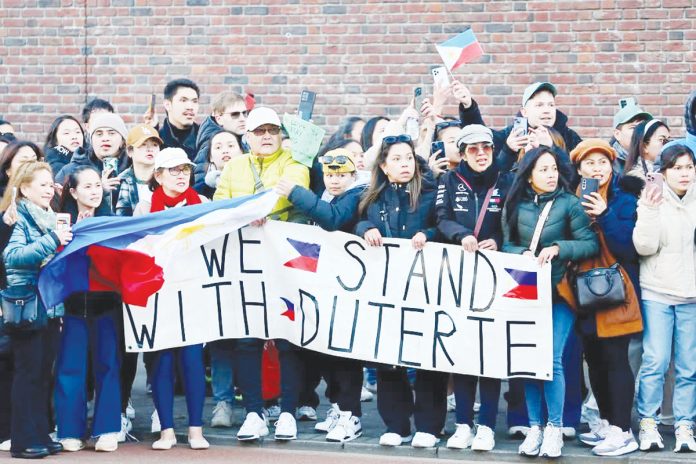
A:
(262, 168)
(252, 173)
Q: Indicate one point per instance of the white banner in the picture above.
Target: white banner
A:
(441, 308)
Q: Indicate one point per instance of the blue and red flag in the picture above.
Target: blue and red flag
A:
(130, 255)
(526, 288)
(460, 49)
(289, 309)
(309, 256)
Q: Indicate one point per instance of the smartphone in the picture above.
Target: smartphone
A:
(588, 186)
(62, 221)
(440, 77)
(111, 163)
(418, 98)
(655, 178)
(435, 146)
(153, 99)
(306, 107)
(520, 123)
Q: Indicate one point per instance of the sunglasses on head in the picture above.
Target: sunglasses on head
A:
(273, 130)
(392, 139)
(237, 114)
(445, 124)
(327, 159)
(473, 150)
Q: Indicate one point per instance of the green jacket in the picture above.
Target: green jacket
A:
(567, 226)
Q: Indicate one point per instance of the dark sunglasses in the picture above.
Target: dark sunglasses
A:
(259, 131)
(237, 114)
(392, 139)
(445, 124)
(340, 159)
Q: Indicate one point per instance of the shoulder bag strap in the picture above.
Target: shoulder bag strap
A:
(484, 209)
(539, 227)
(258, 183)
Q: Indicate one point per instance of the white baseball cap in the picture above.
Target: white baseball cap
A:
(171, 158)
(261, 115)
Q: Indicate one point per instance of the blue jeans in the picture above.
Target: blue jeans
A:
(666, 326)
(552, 391)
(222, 367)
(465, 395)
(80, 336)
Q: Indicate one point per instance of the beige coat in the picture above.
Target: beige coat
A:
(664, 238)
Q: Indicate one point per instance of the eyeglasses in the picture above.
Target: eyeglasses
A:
(237, 114)
(392, 139)
(473, 150)
(273, 130)
(340, 159)
(176, 170)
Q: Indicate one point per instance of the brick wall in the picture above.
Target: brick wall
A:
(362, 57)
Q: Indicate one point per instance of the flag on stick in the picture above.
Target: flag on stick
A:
(460, 49)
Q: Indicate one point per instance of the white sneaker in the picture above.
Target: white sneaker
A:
(273, 412)
(164, 444)
(568, 432)
(332, 416)
(424, 440)
(198, 443)
(285, 427)
(366, 395)
(126, 427)
(222, 415)
(518, 431)
(484, 439)
(617, 443)
(307, 413)
(532, 442)
(155, 427)
(393, 439)
(6, 445)
(253, 428)
(598, 432)
(552, 444)
(348, 428)
(685, 439)
(71, 444)
(107, 442)
(649, 436)
(371, 387)
(130, 410)
(462, 437)
(451, 403)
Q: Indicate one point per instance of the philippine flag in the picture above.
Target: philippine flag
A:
(131, 255)
(309, 256)
(460, 49)
(526, 288)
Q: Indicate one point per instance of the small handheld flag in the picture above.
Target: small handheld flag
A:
(460, 49)
(526, 288)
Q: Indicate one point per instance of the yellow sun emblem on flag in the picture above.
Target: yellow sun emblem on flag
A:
(186, 232)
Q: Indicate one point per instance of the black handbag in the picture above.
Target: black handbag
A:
(20, 309)
(599, 288)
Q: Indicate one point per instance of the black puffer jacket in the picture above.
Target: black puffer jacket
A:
(460, 197)
(188, 144)
(59, 156)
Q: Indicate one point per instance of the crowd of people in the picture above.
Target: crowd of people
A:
(525, 189)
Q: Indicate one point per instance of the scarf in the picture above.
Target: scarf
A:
(45, 218)
(161, 201)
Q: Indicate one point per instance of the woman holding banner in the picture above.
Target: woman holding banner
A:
(399, 204)
(606, 333)
(171, 187)
(543, 220)
(469, 206)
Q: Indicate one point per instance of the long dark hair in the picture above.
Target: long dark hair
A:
(345, 129)
(52, 137)
(520, 184)
(640, 137)
(379, 180)
(9, 153)
(67, 203)
(368, 130)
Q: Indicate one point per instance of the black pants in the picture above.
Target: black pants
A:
(6, 375)
(33, 355)
(314, 369)
(611, 377)
(343, 378)
(396, 404)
